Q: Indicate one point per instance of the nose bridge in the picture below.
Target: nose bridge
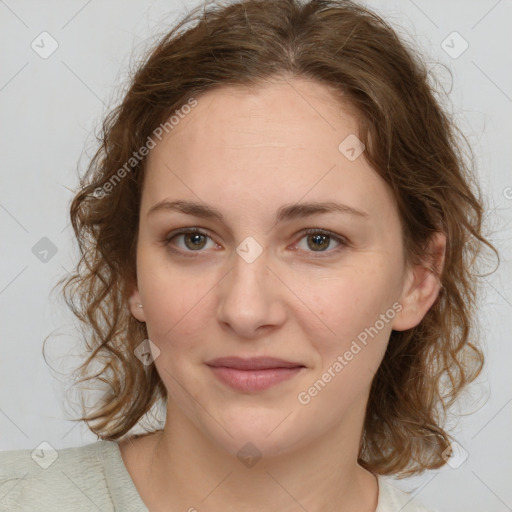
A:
(249, 270)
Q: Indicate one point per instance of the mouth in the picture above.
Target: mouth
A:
(253, 374)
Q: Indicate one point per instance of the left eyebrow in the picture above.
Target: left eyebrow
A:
(300, 210)
(284, 213)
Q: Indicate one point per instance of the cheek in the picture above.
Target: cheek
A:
(176, 300)
(341, 308)
(350, 342)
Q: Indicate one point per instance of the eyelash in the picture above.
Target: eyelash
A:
(311, 231)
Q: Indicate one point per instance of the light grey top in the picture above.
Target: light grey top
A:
(94, 478)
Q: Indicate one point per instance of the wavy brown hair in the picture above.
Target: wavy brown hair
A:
(411, 142)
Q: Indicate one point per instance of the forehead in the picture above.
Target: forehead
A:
(274, 143)
(274, 118)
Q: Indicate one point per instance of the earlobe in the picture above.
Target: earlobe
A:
(136, 306)
(421, 286)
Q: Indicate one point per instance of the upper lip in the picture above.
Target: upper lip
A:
(253, 363)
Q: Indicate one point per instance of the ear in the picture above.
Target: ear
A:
(421, 285)
(133, 300)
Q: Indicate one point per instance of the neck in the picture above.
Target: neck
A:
(191, 471)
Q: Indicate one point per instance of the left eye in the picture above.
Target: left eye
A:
(320, 239)
(316, 239)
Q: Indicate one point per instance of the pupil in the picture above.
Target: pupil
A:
(319, 238)
(195, 239)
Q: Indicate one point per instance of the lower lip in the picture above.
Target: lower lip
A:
(253, 380)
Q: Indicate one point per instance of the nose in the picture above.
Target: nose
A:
(250, 298)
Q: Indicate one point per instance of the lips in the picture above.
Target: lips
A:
(253, 363)
(253, 374)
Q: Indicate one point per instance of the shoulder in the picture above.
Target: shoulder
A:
(49, 479)
(392, 499)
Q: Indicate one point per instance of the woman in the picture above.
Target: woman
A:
(277, 240)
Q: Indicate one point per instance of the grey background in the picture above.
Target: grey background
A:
(49, 111)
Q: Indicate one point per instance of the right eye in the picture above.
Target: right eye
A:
(194, 240)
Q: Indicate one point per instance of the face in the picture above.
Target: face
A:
(254, 282)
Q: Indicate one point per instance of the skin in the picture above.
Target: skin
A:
(247, 153)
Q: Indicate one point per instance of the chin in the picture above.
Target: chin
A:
(256, 434)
